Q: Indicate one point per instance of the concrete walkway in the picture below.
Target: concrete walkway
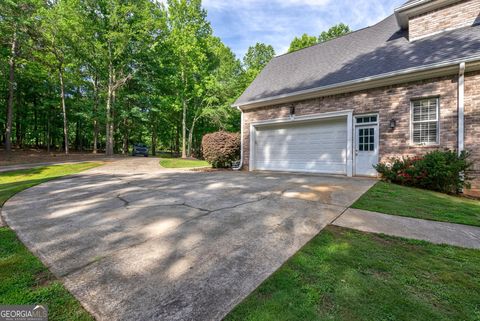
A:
(413, 228)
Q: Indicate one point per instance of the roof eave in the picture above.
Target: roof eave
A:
(407, 75)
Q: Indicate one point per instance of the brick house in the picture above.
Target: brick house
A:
(405, 86)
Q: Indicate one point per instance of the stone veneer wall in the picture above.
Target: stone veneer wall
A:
(393, 102)
(457, 15)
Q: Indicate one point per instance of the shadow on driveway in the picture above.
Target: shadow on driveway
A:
(159, 245)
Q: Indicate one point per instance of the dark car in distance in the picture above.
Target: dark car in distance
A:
(140, 149)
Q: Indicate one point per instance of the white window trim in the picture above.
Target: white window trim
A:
(366, 115)
(437, 143)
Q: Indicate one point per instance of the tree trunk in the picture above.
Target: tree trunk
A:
(64, 109)
(154, 140)
(80, 139)
(109, 129)
(11, 81)
(48, 131)
(18, 123)
(125, 144)
(177, 139)
(35, 116)
(184, 116)
(172, 143)
(114, 115)
(190, 136)
(77, 135)
(125, 137)
(109, 120)
(184, 129)
(95, 119)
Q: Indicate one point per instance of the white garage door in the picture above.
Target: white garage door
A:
(319, 146)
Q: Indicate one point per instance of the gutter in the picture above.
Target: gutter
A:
(240, 165)
(461, 108)
(271, 100)
(410, 5)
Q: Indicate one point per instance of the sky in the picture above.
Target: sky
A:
(242, 23)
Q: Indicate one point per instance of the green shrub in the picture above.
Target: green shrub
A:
(221, 148)
(443, 171)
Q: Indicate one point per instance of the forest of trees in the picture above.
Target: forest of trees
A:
(99, 75)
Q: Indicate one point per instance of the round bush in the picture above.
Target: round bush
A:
(443, 171)
(221, 148)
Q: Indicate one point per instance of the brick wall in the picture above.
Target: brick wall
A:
(472, 123)
(457, 15)
(392, 102)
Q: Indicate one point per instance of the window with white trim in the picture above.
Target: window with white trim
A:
(364, 120)
(425, 125)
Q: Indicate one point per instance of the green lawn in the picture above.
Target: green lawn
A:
(413, 202)
(347, 275)
(23, 277)
(183, 163)
(16, 181)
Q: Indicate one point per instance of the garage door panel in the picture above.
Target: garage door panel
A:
(315, 167)
(310, 147)
(332, 155)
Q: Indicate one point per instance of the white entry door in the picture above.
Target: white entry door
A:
(366, 149)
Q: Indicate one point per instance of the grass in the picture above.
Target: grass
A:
(23, 277)
(16, 181)
(183, 163)
(413, 202)
(348, 275)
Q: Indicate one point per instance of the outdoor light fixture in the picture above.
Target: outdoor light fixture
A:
(292, 110)
(393, 123)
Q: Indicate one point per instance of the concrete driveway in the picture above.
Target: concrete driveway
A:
(134, 242)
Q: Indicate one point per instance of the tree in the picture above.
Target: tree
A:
(256, 58)
(56, 44)
(215, 94)
(189, 34)
(334, 32)
(15, 24)
(123, 31)
(88, 29)
(144, 70)
(303, 42)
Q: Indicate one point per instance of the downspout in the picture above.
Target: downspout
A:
(240, 165)
(461, 108)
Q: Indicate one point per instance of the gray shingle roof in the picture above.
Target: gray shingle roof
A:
(380, 49)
